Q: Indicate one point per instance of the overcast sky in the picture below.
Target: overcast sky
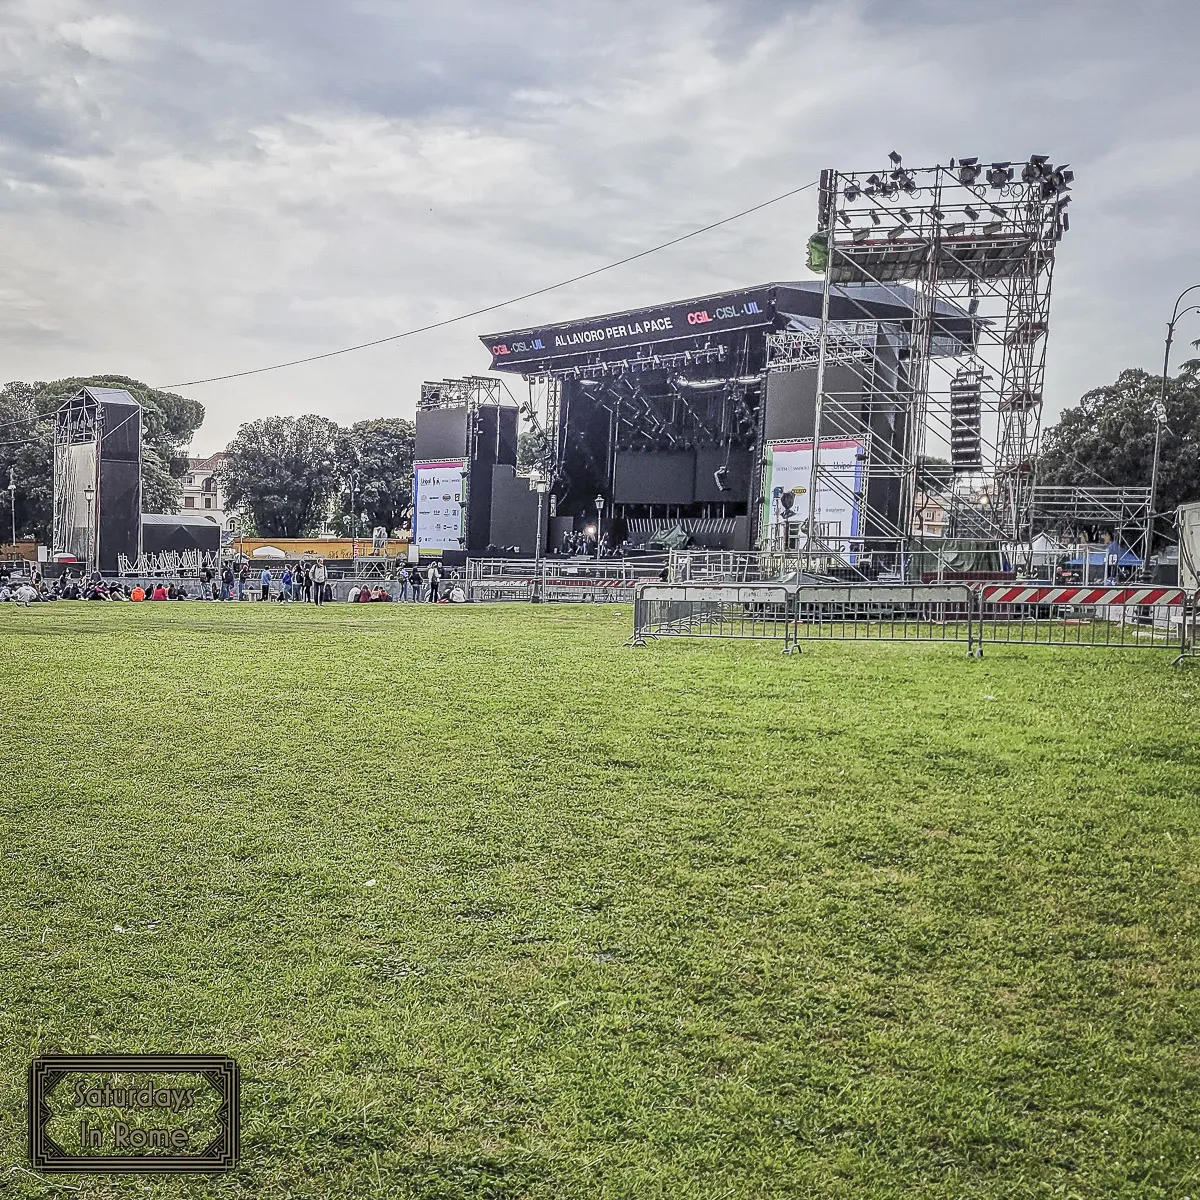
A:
(192, 188)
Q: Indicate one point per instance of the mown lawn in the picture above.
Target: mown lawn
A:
(694, 920)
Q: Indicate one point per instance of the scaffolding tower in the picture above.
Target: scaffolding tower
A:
(968, 242)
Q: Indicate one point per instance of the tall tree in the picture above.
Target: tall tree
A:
(378, 455)
(27, 429)
(283, 471)
(1108, 438)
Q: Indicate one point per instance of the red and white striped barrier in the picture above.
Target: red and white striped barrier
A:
(1084, 596)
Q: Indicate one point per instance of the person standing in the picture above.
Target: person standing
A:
(227, 583)
(265, 583)
(306, 582)
(285, 591)
(435, 578)
(415, 579)
(318, 581)
(243, 579)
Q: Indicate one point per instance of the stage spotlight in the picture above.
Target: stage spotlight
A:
(938, 215)
(852, 192)
(906, 216)
(999, 174)
(956, 230)
(1035, 168)
(893, 234)
(874, 180)
(908, 185)
(894, 157)
(968, 171)
(1066, 220)
(973, 307)
(721, 479)
(874, 217)
(888, 189)
(972, 214)
(992, 228)
(1062, 178)
(860, 235)
(845, 220)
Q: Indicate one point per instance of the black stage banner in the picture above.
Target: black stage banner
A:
(638, 327)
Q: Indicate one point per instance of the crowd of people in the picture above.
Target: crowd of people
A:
(305, 582)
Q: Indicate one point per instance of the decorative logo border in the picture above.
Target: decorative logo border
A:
(219, 1071)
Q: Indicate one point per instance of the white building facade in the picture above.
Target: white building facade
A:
(201, 494)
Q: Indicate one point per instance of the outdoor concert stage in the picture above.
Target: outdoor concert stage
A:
(702, 412)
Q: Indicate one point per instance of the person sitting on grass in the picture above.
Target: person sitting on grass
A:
(159, 593)
(138, 593)
(117, 592)
(26, 595)
(364, 595)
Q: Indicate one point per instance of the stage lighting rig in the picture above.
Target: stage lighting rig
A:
(1000, 174)
(860, 236)
(969, 170)
(896, 159)
(1035, 168)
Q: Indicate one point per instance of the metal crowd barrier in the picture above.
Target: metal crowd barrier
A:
(884, 612)
(592, 581)
(711, 610)
(1116, 617)
(971, 615)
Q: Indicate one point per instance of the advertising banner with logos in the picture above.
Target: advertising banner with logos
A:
(789, 467)
(438, 506)
(708, 314)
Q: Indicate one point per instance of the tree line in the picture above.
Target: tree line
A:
(285, 476)
(294, 476)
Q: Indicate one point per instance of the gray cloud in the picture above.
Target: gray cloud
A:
(189, 189)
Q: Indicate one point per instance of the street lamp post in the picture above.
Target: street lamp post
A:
(12, 503)
(541, 485)
(89, 494)
(1160, 415)
(599, 518)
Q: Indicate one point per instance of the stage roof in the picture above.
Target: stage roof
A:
(766, 307)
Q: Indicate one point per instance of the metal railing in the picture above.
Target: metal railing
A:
(889, 612)
(604, 580)
(759, 611)
(971, 615)
(1116, 617)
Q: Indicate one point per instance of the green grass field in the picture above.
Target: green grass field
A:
(488, 905)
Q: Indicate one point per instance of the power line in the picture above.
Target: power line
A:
(501, 304)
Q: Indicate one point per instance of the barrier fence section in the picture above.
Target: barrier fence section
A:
(1137, 617)
(972, 615)
(758, 611)
(885, 612)
(592, 581)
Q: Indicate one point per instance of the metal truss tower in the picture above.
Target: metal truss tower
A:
(967, 251)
